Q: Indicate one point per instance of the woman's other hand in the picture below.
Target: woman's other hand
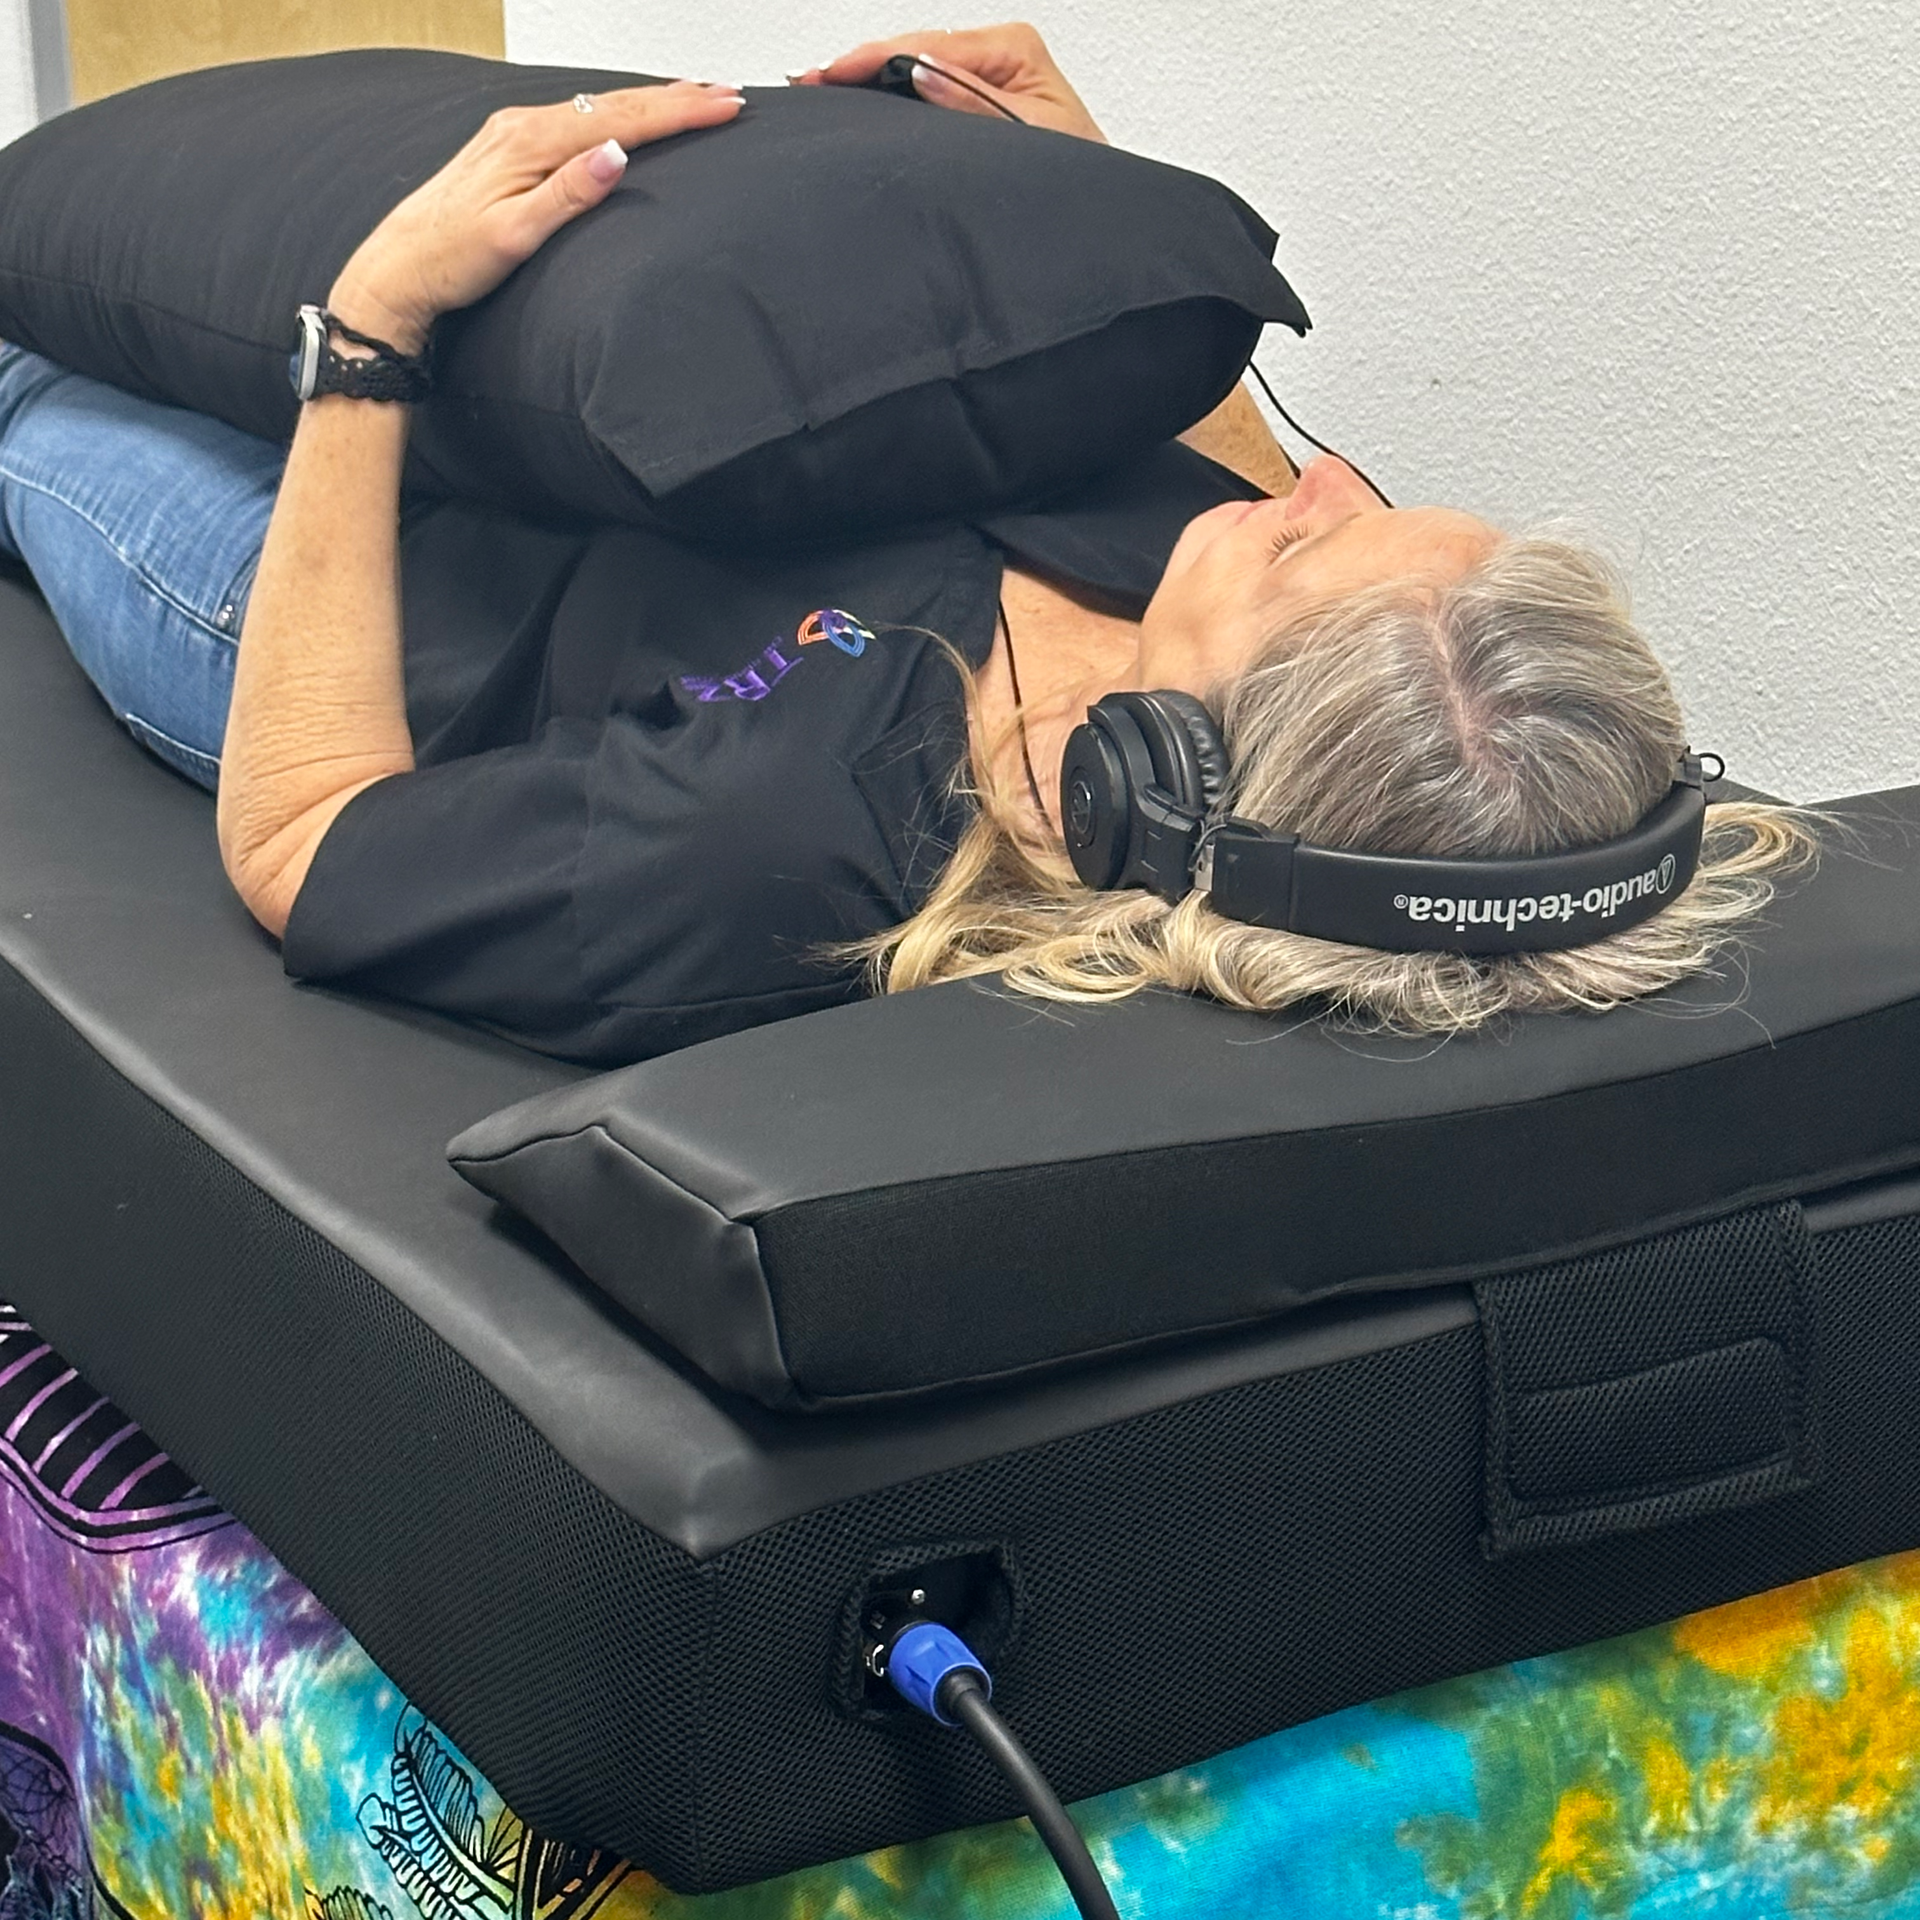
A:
(1010, 64)
(523, 176)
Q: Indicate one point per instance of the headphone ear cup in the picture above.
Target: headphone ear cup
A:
(1095, 807)
(1190, 740)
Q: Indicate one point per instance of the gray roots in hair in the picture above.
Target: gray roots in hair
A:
(1514, 710)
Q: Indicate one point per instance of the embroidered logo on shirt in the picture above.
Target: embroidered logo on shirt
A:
(842, 629)
(761, 675)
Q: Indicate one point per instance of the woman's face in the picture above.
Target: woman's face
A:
(1240, 570)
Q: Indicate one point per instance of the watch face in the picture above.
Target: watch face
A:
(304, 368)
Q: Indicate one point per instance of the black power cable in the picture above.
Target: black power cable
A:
(962, 1695)
(935, 1671)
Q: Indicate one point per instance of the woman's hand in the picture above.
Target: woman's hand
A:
(523, 176)
(1010, 64)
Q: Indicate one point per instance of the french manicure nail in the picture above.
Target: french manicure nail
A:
(607, 161)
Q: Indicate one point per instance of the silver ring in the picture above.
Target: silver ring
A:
(582, 103)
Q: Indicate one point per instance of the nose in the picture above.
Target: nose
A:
(1328, 485)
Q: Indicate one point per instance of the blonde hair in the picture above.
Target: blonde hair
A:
(1516, 710)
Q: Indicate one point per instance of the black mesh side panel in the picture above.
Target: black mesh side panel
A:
(552, 1637)
(1154, 1556)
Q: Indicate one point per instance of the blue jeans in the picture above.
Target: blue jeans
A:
(142, 525)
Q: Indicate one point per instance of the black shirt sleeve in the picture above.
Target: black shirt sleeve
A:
(453, 886)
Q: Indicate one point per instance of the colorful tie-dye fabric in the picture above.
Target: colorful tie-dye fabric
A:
(186, 1734)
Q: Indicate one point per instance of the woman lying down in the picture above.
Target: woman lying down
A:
(609, 794)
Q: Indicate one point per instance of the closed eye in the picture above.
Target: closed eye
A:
(1294, 530)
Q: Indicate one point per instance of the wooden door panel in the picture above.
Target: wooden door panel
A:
(119, 43)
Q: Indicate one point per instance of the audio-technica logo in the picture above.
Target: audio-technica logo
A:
(1598, 903)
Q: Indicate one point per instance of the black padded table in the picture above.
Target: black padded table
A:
(634, 1597)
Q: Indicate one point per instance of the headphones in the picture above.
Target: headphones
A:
(1142, 782)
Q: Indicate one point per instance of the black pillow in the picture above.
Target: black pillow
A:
(844, 311)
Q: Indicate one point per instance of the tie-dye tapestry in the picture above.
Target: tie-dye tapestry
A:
(186, 1734)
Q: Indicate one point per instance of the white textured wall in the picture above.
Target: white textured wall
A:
(1648, 264)
(16, 71)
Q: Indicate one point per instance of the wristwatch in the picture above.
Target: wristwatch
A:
(389, 375)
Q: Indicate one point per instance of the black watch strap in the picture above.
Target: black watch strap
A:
(388, 375)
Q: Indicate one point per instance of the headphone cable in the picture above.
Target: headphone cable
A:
(1253, 368)
(979, 93)
(1020, 719)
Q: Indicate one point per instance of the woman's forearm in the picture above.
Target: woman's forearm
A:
(319, 701)
(1237, 436)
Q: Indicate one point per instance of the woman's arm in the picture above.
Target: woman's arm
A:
(1236, 434)
(319, 710)
(319, 701)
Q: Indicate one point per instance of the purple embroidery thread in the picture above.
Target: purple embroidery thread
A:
(748, 684)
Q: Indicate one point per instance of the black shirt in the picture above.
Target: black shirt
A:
(655, 782)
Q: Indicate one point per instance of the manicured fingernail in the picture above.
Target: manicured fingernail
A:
(608, 161)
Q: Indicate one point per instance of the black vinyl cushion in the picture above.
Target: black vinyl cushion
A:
(1170, 1167)
(845, 310)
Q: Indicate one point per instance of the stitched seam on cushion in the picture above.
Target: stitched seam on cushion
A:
(126, 559)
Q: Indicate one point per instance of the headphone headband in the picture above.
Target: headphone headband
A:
(1139, 813)
(1533, 903)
